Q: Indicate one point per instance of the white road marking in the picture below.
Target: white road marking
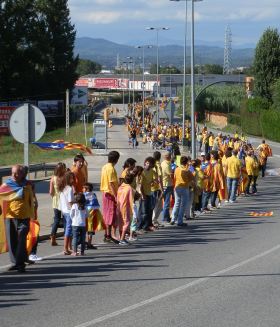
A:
(176, 290)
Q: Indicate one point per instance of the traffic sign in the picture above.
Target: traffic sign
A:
(27, 124)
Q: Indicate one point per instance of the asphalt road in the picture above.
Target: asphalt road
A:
(221, 270)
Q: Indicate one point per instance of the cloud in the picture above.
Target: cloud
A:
(97, 17)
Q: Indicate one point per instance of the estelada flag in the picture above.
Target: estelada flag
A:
(62, 145)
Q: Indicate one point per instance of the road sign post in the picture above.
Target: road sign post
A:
(27, 124)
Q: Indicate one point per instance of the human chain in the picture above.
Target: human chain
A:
(141, 200)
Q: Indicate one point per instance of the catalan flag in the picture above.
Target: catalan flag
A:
(261, 213)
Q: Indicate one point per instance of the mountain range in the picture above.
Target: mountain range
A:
(106, 52)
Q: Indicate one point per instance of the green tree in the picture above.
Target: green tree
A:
(267, 62)
(164, 70)
(86, 67)
(212, 69)
(276, 95)
(36, 49)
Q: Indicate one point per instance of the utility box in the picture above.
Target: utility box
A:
(99, 134)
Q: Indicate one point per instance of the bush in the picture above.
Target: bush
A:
(270, 120)
(234, 119)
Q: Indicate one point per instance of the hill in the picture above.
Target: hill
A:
(105, 52)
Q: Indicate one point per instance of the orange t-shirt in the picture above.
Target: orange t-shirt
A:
(79, 180)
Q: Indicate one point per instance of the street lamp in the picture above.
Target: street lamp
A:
(192, 78)
(157, 29)
(143, 71)
(127, 67)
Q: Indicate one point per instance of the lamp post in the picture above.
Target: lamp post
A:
(128, 68)
(143, 77)
(127, 63)
(192, 77)
(157, 29)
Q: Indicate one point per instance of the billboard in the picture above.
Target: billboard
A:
(5, 114)
(51, 108)
(109, 83)
(138, 85)
(80, 95)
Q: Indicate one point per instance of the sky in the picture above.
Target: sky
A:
(125, 21)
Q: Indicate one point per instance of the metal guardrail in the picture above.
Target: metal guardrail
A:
(4, 172)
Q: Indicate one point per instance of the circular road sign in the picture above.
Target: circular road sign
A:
(27, 115)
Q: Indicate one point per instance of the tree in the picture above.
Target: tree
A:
(212, 69)
(267, 62)
(276, 95)
(36, 49)
(164, 70)
(86, 67)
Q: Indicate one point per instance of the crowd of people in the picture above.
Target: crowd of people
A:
(166, 189)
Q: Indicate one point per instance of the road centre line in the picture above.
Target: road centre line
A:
(176, 290)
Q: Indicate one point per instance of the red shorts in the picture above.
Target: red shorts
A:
(109, 209)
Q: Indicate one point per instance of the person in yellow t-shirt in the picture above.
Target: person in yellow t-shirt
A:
(167, 181)
(233, 171)
(109, 188)
(145, 208)
(157, 189)
(211, 141)
(129, 165)
(183, 180)
(18, 211)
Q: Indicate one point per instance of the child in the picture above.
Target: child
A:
(78, 216)
(136, 172)
(66, 197)
(125, 200)
(91, 205)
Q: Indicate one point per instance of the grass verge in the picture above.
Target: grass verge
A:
(11, 152)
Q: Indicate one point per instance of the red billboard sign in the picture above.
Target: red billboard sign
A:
(5, 114)
(109, 83)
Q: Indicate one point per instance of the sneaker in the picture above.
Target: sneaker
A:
(115, 241)
(132, 239)
(231, 201)
(34, 257)
(12, 268)
(92, 247)
(172, 222)
(123, 242)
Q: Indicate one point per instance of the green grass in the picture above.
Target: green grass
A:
(11, 152)
(231, 129)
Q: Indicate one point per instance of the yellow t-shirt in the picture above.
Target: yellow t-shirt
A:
(233, 165)
(157, 176)
(108, 175)
(22, 208)
(123, 174)
(166, 173)
(249, 161)
(146, 181)
(211, 140)
(183, 177)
